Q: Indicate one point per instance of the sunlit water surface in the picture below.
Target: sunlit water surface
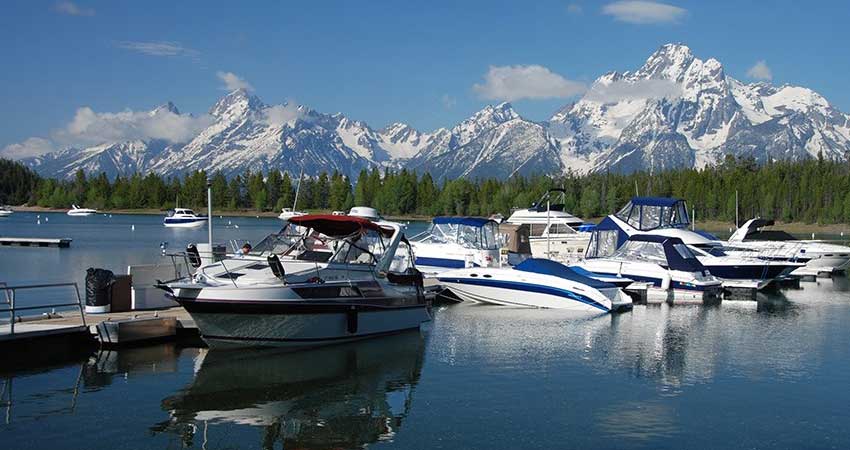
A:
(771, 373)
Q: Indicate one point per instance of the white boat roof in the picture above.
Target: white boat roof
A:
(533, 216)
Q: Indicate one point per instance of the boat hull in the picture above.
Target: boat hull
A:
(183, 223)
(300, 323)
(517, 296)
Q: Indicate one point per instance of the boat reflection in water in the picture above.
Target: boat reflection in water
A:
(342, 396)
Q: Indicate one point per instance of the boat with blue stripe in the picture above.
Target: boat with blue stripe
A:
(535, 283)
(456, 242)
(184, 218)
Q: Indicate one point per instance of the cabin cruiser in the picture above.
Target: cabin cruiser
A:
(554, 233)
(77, 211)
(184, 218)
(666, 263)
(456, 242)
(536, 283)
(5, 211)
(365, 289)
(818, 257)
(288, 213)
(662, 216)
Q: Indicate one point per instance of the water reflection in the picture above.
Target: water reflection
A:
(342, 396)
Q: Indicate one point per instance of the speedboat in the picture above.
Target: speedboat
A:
(818, 257)
(665, 263)
(456, 242)
(662, 216)
(363, 290)
(77, 211)
(536, 283)
(554, 233)
(5, 211)
(184, 218)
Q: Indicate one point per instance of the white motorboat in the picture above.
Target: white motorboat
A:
(184, 218)
(666, 263)
(536, 283)
(554, 233)
(288, 213)
(456, 242)
(77, 211)
(5, 211)
(662, 216)
(755, 238)
(361, 291)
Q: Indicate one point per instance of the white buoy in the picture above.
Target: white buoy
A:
(110, 216)
(813, 235)
(132, 228)
(47, 219)
(228, 222)
(39, 221)
(235, 226)
(38, 216)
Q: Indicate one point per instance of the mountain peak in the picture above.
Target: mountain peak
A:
(166, 107)
(669, 62)
(238, 101)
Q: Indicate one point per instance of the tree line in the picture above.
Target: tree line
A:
(807, 191)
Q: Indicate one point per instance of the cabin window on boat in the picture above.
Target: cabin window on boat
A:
(537, 230)
(560, 228)
(650, 217)
(642, 251)
(602, 243)
(684, 251)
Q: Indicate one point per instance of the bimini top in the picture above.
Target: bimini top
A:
(338, 226)
(471, 221)
(556, 269)
(655, 201)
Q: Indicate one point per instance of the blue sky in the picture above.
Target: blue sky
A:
(381, 61)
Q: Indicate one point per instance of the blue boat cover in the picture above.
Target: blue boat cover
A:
(549, 267)
(471, 221)
(655, 201)
(587, 227)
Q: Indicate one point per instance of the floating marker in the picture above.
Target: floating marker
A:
(132, 228)
(39, 221)
(47, 219)
(235, 226)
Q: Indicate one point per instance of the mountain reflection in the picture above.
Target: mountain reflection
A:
(344, 396)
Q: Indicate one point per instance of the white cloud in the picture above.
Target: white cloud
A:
(760, 71)
(158, 48)
(644, 12)
(33, 146)
(233, 82)
(279, 115)
(89, 127)
(511, 83)
(640, 89)
(71, 9)
(574, 8)
(448, 101)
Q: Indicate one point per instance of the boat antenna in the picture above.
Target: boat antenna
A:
(736, 208)
(548, 228)
(637, 194)
(298, 189)
(209, 218)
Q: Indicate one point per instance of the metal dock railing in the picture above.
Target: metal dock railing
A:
(12, 308)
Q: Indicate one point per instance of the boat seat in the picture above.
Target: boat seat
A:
(277, 267)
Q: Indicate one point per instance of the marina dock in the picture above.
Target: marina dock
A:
(35, 242)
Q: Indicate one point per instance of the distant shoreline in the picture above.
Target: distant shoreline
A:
(708, 225)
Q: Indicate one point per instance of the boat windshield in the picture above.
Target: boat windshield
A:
(649, 215)
(478, 237)
(642, 251)
(365, 248)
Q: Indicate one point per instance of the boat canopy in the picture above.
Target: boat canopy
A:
(754, 231)
(338, 226)
(650, 213)
(470, 221)
(667, 251)
(556, 269)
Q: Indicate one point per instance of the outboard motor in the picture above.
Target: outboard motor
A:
(277, 267)
(194, 256)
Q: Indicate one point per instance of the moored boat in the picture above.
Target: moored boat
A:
(81, 212)
(184, 218)
(456, 242)
(361, 291)
(536, 283)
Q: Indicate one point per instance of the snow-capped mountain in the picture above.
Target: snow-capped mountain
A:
(680, 111)
(674, 111)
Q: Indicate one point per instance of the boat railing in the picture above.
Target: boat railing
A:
(11, 300)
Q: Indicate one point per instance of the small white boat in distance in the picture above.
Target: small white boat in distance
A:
(77, 211)
(535, 283)
(288, 213)
(5, 211)
(184, 218)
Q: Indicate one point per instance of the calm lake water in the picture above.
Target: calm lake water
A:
(766, 374)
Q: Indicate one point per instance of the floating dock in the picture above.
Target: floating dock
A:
(35, 242)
